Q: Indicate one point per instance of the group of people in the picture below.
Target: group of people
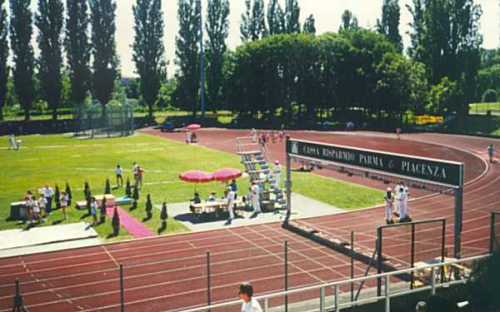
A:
(396, 203)
(137, 171)
(267, 137)
(37, 209)
(191, 137)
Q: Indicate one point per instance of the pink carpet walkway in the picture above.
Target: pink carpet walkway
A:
(135, 228)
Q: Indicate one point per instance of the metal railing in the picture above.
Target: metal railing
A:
(435, 284)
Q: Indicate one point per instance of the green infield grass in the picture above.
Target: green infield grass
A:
(59, 159)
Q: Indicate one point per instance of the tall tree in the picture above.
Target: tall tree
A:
(4, 55)
(217, 26)
(78, 49)
(388, 25)
(149, 51)
(310, 25)
(187, 53)
(49, 21)
(349, 21)
(253, 21)
(275, 18)
(105, 60)
(446, 38)
(21, 30)
(292, 16)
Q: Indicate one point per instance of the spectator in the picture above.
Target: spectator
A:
(230, 205)
(119, 175)
(196, 200)
(140, 177)
(64, 204)
(212, 197)
(255, 194)
(93, 210)
(249, 303)
(48, 193)
(234, 187)
(36, 210)
(42, 202)
(28, 199)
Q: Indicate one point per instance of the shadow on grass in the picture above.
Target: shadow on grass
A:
(162, 228)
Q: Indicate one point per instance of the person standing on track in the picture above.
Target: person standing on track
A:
(389, 204)
(253, 134)
(249, 303)
(491, 153)
(406, 197)
(397, 206)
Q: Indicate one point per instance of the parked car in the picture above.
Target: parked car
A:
(167, 127)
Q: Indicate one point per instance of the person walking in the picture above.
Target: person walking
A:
(230, 205)
(255, 193)
(36, 211)
(48, 193)
(389, 206)
(491, 153)
(119, 175)
(249, 303)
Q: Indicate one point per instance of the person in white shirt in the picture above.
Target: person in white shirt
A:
(48, 193)
(397, 193)
(249, 303)
(42, 202)
(64, 198)
(36, 211)
(231, 195)
(254, 135)
(255, 192)
(277, 174)
(119, 175)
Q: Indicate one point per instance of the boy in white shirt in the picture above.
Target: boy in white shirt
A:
(249, 303)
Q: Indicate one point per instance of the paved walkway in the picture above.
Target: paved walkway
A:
(133, 226)
(303, 207)
(42, 239)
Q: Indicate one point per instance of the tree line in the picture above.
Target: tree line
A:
(281, 69)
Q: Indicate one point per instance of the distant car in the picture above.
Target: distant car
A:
(167, 127)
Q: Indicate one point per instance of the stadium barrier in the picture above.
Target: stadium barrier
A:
(335, 303)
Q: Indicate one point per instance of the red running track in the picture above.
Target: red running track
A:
(169, 273)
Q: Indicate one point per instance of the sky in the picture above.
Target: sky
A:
(326, 12)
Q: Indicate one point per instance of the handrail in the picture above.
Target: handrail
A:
(337, 284)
